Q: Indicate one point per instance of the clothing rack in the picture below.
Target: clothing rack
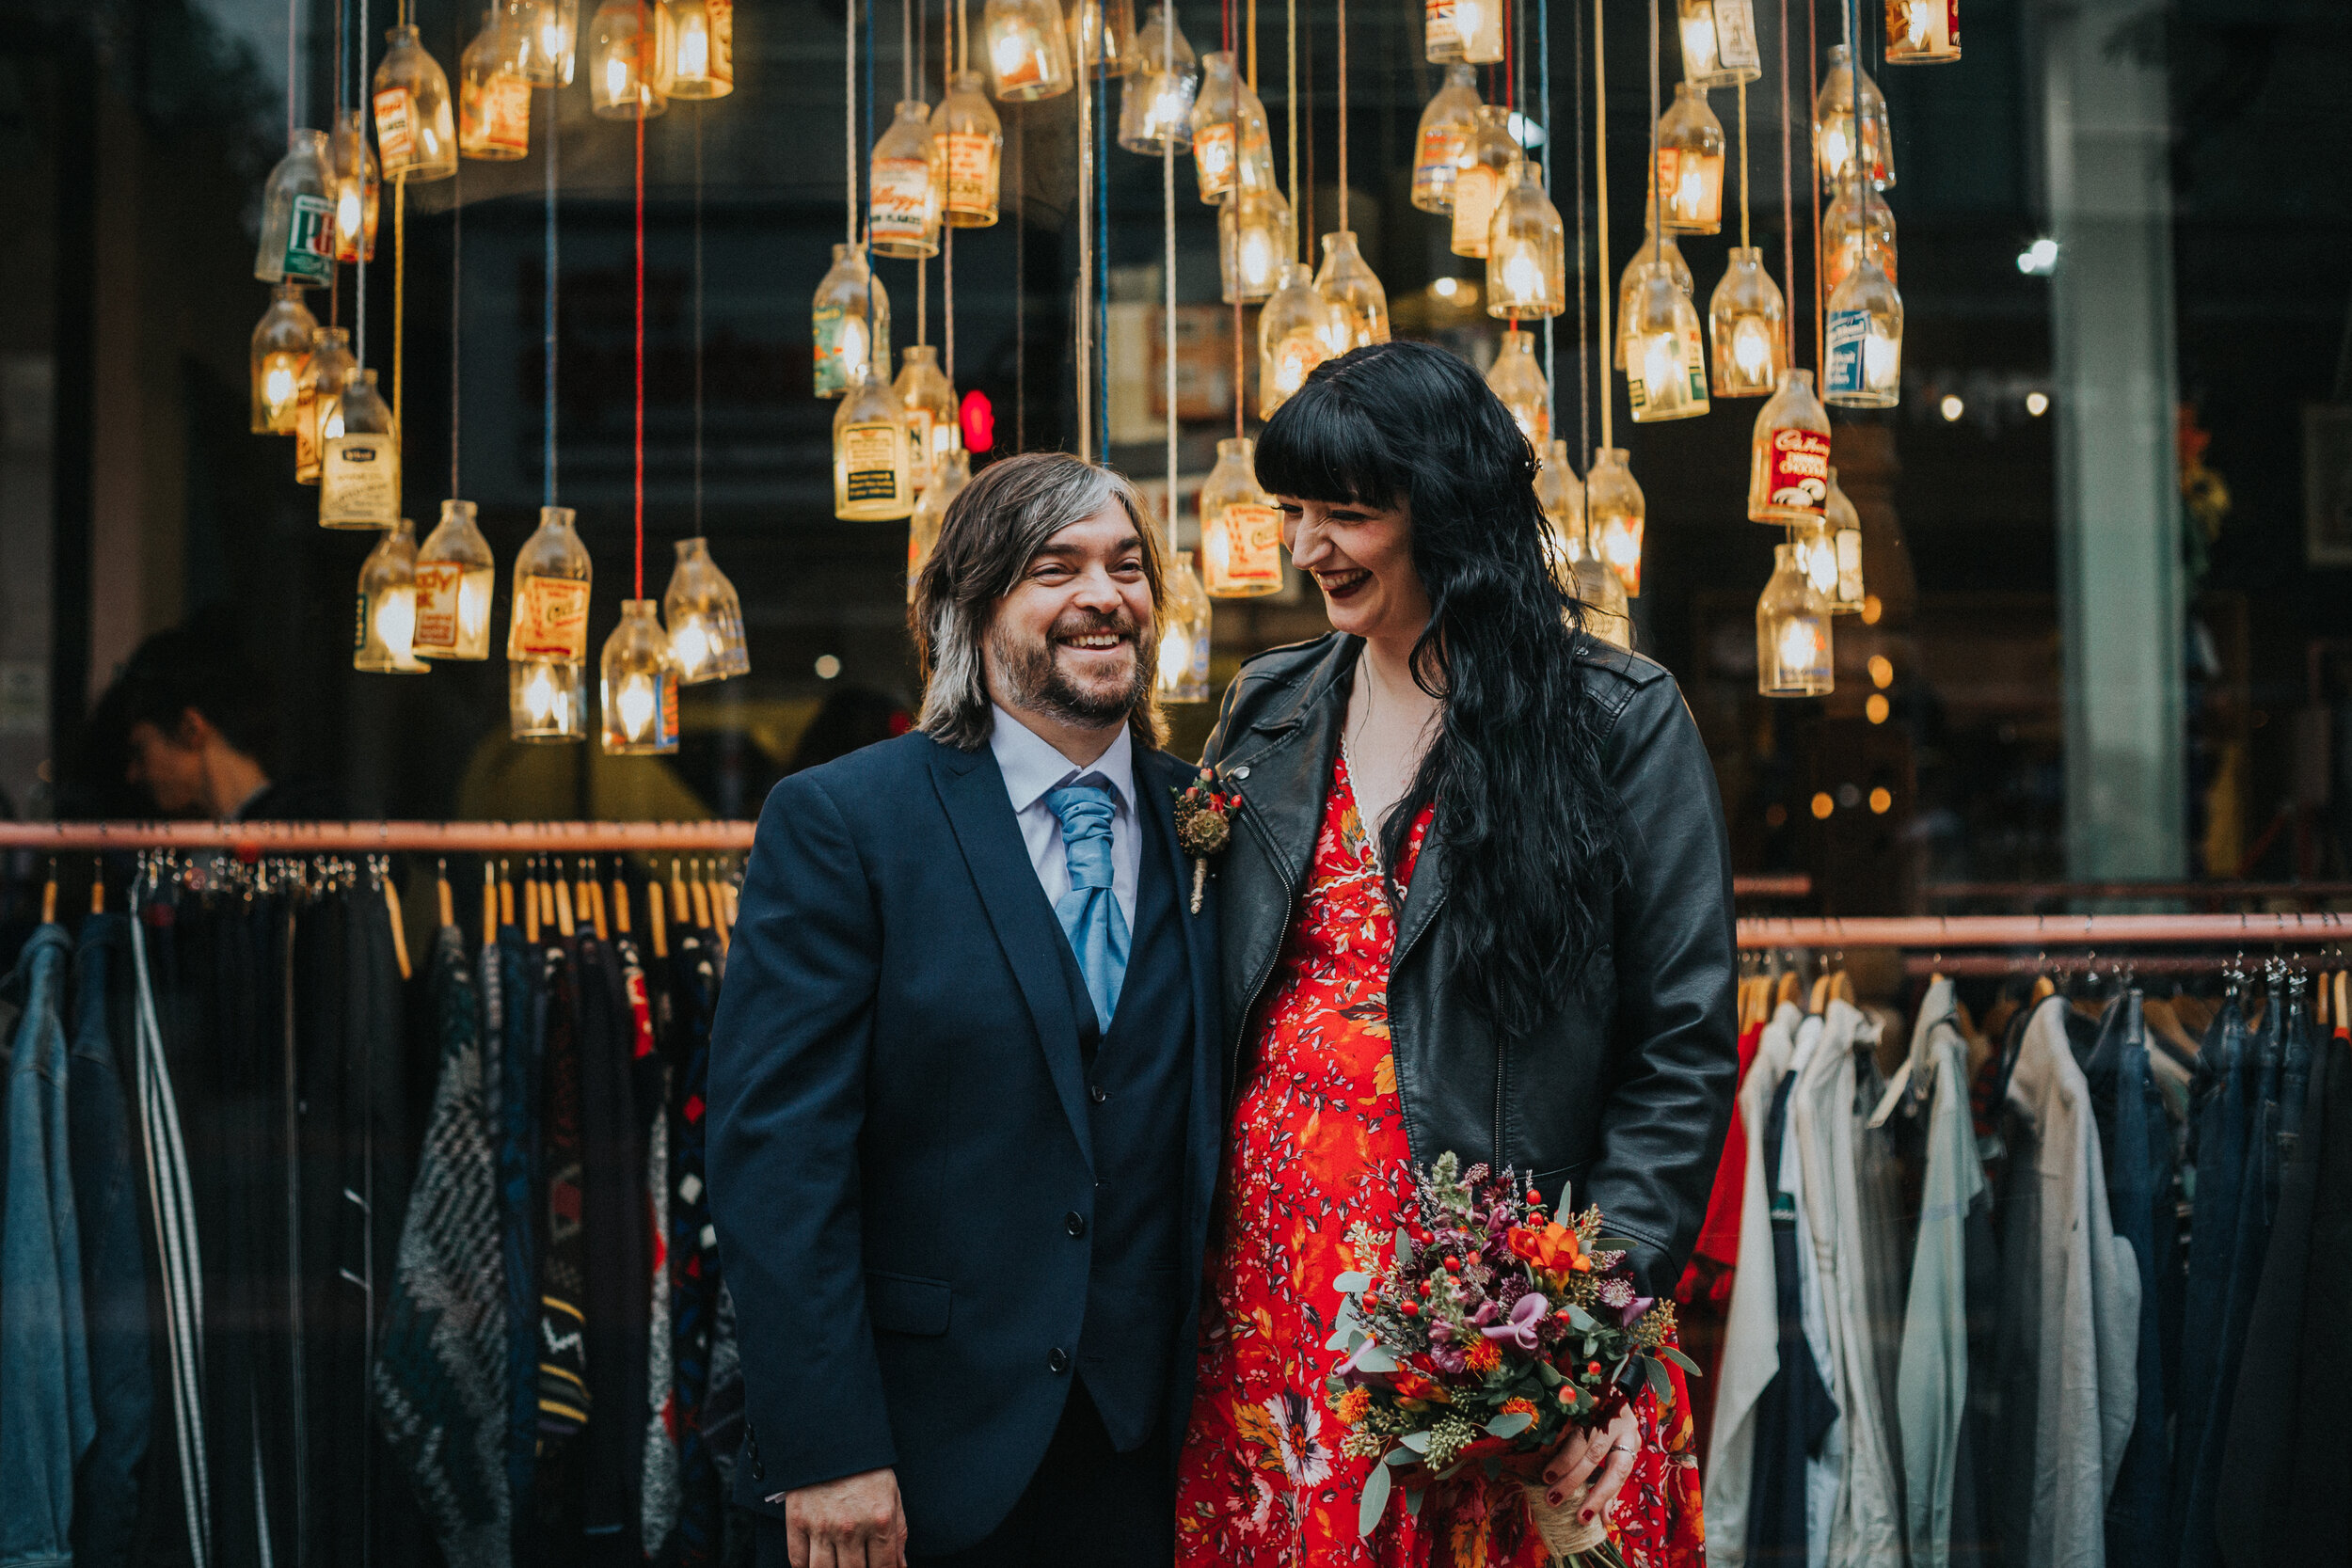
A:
(2093, 931)
(306, 838)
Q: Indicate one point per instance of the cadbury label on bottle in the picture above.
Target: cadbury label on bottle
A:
(309, 240)
(1252, 553)
(1798, 478)
(550, 619)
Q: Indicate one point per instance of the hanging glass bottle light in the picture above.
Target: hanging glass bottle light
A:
(1922, 32)
(354, 185)
(360, 473)
(704, 617)
(1865, 341)
(1467, 30)
(1651, 250)
(1834, 109)
(1690, 163)
(1843, 525)
(1183, 673)
(546, 633)
(1615, 512)
(1851, 229)
(1789, 454)
(1295, 334)
(923, 390)
(1446, 127)
(1746, 321)
(1518, 379)
(1155, 101)
(1526, 251)
(1359, 306)
(544, 34)
(1028, 50)
(1608, 616)
(1255, 236)
(971, 143)
(949, 475)
(1719, 42)
(297, 243)
(1561, 495)
(1489, 166)
(416, 133)
(1665, 364)
(454, 576)
(1240, 530)
(1793, 645)
(628, 59)
(318, 399)
(701, 48)
(1102, 35)
(872, 478)
(282, 340)
(846, 339)
(383, 641)
(906, 178)
(638, 690)
(1218, 112)
(493, 105)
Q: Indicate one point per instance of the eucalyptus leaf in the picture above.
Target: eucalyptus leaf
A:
(1351, 1282)
(1611, 1243)
(1659, 1383)
(1510, 1425)
(1402, 1457)
(1404, 1248)
(1375, 1500)
(1582, 1322)
(1690, 1367)
(1413, 1502)
(1371, 1358)
(1417, 1441)
(1550, 1374)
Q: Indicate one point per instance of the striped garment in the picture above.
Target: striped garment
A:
(693, 1256)
(564, 1270)
(440, 1370)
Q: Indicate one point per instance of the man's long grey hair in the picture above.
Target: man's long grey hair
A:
(993, 529)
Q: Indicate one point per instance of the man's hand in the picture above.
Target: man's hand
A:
(853, 1522)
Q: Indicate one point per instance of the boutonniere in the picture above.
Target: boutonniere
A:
(1204, 826)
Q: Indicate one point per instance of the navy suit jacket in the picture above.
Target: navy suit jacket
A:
(899, 1134)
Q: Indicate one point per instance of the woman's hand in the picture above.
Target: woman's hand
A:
(1610, 1450)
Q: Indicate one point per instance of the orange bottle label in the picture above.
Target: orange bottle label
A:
(551, 619)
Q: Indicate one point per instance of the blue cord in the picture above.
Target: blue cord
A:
(1104, 143)
(1543, 88)
(547, 485)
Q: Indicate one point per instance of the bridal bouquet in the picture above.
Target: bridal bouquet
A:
(1480, 1335)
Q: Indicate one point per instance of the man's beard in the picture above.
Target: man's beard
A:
(1036, 682)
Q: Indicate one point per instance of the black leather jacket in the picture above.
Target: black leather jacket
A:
(1625, 1093)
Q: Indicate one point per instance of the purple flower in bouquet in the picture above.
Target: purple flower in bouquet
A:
(1527, 1318)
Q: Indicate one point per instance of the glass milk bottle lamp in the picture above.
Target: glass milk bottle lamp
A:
(1792, 642)
(318, 399)
(1690, 163)
(1614, 512)
(970, 142)
(1526, 252)
(1789, 454)
(1255, 237)
(543, 35)
(1294, 332)
(1843, 526)
(1630, 280)
(1746, 328)
(1866, 340)
(1519, 380)
(1850, 231)
(1665, 368)
(1183, 669)
(1834, 109)
(628, 59)
(546, 634)
(924, 392)
(638, 689)
(360, 473)
(873, 477)
(1101, 36)
(1489, 166)
(384, 642)
(1467, 30)
(1359, 305)
(851, 317)
(1719, 42)
(1217, 126)
(1443, 140)
(1155, 103)
(950, 474)
(1922, 32)
(904, 180)
(1241, 531)
(282, 340)
(455, 572)
(701, 48)
(355, 185)
(1561, 495)
(1028, 50)
(416, 133)
(493, 104)
(704, 618)
(297, 243)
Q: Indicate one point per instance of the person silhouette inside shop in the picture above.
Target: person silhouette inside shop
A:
(196, 719)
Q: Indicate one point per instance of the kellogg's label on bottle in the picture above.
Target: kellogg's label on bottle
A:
(359, 481)
(1213, 156)
(550, 619)
(1440, 161)
(1441, 32)
(309, 240)
(395, 143)
(437, 583)
(1735, 35)
(901, 210)
(1251, 556)
(870, 456)
(1798, 477)
(972, 173)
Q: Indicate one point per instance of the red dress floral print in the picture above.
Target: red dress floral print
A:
(1318, 1142)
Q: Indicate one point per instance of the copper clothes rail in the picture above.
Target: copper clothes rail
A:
(2038, 931)
(352, 838)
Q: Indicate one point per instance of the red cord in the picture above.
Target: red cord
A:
(638, 439)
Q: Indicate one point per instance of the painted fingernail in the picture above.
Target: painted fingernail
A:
(1559, 1498)
(1586, 1516)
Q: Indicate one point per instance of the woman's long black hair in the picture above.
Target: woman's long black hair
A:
(1528, 818)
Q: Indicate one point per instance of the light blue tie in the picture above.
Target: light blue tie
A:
(1089, 913)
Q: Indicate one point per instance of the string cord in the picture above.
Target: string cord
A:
(1167, 266)
(555, 142)
(1343, 11)
(698, 322)
(456, 296)
(1657, 186)
(1587, 371)
(1290, 105)
(877, 354)
(1600, 208)
(294, 27)
(637, 425)
(399, 295)
(1233, 196)
(1102, 253)
(1787, 197)
(848, 113)
(359, 282)
(1543, 169)
(1813, 183)
(1743, 166)
(1081, 299)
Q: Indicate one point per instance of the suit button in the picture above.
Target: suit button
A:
(1056, 1361)
(759, 1471)
(1097, 1093)
(1074, 1222)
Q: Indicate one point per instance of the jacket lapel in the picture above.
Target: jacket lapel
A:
(972, 789)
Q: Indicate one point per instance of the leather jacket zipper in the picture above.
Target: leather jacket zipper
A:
(1257, 987)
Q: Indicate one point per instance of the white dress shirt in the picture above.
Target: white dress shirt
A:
(1032, 767)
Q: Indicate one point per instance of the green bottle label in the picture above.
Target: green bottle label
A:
(360, 632)
(310, 241)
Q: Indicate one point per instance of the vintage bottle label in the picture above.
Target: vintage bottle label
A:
(1441, 33)
(1213, 155)
(550, 619)
(1849, 565)
(1252, 552)
(360, 479)
(1020, 62)
(306, 431)
(1475, 192)
(721, 15)
(1796, 477)
(1439, 162)
(870, 453)
(921, 450)
(1924, 29)
(395, 141)
(1735, 36)
(1296, 357)
(503, 114)
(901, 199)
(832, 367)
(1848, 330)
(437, 584)
(971, 172)
(309, 240)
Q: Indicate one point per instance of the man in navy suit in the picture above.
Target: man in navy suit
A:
(964, 1108)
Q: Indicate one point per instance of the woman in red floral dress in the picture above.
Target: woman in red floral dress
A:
(1351, 871)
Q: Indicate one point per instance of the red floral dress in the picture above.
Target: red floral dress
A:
(1318, 1143)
